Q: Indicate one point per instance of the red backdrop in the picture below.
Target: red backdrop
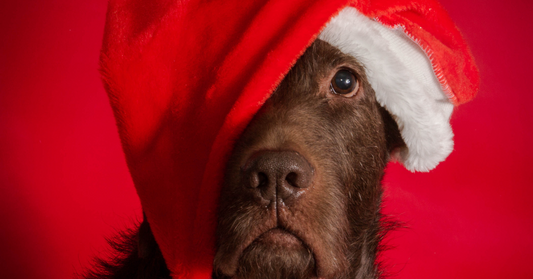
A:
(64, 184)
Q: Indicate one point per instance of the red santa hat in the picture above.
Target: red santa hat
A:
(185, 78)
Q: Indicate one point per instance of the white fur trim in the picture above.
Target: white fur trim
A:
(405, 84)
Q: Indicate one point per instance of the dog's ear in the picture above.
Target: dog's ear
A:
(392, 133)
(146, 244)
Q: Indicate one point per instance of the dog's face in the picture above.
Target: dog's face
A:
(301, 193)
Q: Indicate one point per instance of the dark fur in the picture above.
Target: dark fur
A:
(336, 221)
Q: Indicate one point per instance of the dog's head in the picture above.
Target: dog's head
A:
(301, 194)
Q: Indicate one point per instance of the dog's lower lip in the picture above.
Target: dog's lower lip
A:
(280, 237)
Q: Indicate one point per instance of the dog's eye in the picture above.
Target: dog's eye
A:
(344, 83)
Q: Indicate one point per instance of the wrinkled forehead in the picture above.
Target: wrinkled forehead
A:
(321, 57)
(314, 70)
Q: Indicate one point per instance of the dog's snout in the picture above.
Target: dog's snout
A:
(278, 174)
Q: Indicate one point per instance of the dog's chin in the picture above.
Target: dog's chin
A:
(276, 254)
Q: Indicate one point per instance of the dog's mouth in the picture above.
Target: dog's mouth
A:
(277, 251)
(279, 237)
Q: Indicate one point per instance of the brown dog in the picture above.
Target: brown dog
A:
(301, 196)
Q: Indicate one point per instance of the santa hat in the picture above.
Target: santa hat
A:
(185, 78)
(419, 67)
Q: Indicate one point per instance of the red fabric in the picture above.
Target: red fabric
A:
(184, 80)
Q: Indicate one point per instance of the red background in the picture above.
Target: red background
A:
(64, 184)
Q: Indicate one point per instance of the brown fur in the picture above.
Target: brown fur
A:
(337, 217)
(331, 228)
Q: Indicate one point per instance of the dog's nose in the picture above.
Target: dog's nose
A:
(278, 174)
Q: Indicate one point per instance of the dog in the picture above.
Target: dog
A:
(247, 171)
(302, 189)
